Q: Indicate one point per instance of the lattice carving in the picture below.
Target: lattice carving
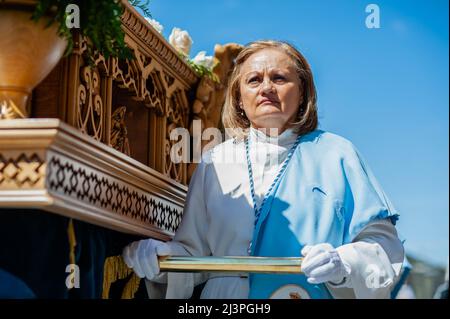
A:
(84, 184)
(126, 74)
(169, 79)
(177, 111)
(171, 169)
(155, 92)
(142, 78)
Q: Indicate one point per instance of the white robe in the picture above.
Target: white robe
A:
(221, 181)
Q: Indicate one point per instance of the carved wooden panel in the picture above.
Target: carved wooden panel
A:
(49, 165)
(152, 91)
(79, 182)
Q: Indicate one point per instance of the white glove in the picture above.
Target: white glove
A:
(142, 256)
(322, 263)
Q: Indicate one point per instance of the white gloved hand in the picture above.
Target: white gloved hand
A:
(322, 263)
(142, 256)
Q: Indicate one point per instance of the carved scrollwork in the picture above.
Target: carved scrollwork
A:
(90, 105)
(156, 78)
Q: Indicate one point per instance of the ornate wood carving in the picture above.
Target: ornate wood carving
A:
(90, 104)
(76, 181)
(119, 135)
(139, 31)
(157, 79)
(120, 112)
(22, 169)
(49, 165)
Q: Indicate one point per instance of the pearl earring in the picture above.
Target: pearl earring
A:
(241, 110)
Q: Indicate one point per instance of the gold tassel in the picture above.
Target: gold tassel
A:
(114, 269)
(72, 241)
(131, 287)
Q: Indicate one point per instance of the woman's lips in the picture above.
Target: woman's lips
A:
(266, 102)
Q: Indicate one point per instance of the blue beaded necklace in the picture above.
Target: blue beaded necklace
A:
(283, 167)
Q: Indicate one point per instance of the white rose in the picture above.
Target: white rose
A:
(181, 41)
(155, 24)
(202, 59)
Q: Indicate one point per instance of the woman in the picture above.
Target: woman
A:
(280, 187)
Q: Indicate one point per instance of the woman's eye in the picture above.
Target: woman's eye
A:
(279, 78)
(254, 79)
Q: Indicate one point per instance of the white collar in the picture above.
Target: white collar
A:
(285, 139)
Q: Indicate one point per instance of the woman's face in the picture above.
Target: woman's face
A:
(270, 89)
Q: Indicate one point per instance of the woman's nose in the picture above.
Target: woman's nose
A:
(267, 86)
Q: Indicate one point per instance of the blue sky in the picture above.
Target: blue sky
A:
(384, 89)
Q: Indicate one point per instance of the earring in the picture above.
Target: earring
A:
(241, 110)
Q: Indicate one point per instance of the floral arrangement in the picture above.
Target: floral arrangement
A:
(182, 42)
(201, 63)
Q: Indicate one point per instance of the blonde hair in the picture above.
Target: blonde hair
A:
(232, 118)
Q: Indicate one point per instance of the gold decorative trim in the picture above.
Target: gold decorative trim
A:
(46, 164)
(115, 269)
(72, 241)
